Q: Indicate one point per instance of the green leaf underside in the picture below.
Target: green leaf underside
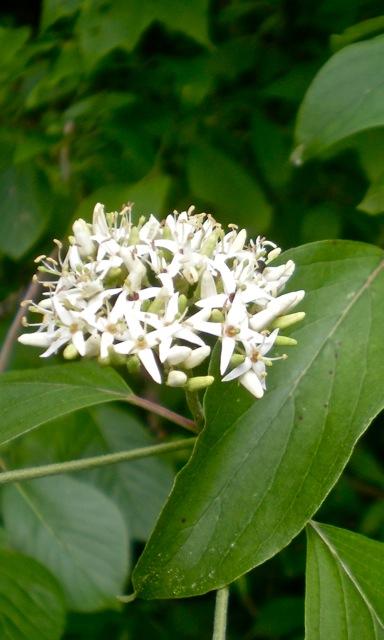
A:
(344, 585)
(31, 398)
(31, 601)
(345, 97)
(75, 531)
(261, 469)
(140, 487)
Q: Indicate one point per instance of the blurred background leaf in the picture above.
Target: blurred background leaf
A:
(32, 602)
(74, 530)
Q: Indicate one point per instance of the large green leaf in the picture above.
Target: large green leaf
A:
(74, 530)
(31, 601)
(261, 469)
(220, 181)
(140, 488)
(346, 96)
(25, 208)
(122, 23)
(345, 585)
(30, 398)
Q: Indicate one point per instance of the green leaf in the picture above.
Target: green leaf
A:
(12, 46)
(221, 182)
(54, 10)
(140, 488)
(370, 147)
(261, 469)
(4, 539)
(121, 24)
(148, 196)
(30, 398)
(62, 78)
(74, 530)
(26, 208)
(345, 97)
(373, 201)
(31, 601)
(358, 31)
(345, 585)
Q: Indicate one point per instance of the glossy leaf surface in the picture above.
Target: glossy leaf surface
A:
(345, 585)
(345, 97)
(30, 398)
(261, 469)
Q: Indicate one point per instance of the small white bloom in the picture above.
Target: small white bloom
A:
(252, 372)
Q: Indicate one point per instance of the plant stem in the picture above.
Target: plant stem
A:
(221, 609)
(195, 408)
(6, 349)
(17, 475)
(153, 407)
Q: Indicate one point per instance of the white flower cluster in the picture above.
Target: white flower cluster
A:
(154, 292)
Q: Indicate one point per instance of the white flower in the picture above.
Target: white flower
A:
(163, 292)
(252, 372)
(141, 343)
(233, 329)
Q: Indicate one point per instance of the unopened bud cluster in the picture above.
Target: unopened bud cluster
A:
(158, 294)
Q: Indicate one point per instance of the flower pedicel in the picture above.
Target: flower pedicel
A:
(158, 293)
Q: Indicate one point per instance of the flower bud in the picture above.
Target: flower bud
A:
(237, 359)
(35, 339)
(197, 357)
(283, 322)
(114, 277)
(177, 354)
(83, 239)
(70, 352)
(99, 223)
(176, 379)
(273, 254)
(284, 341)
(216, 316)
(199, 382)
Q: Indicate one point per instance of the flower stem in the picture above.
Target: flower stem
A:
(6, 349)
(221, 609)
(30, 473)
(195, 408)
(153, 407)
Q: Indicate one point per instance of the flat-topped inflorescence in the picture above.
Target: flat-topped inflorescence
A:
(158, 293)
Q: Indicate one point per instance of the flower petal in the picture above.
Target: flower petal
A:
(148, 360)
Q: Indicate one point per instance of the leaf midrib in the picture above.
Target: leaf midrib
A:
(372, 276)
(61, 543)
(348, 571)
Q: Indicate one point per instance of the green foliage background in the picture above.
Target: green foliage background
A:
(169, 103)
